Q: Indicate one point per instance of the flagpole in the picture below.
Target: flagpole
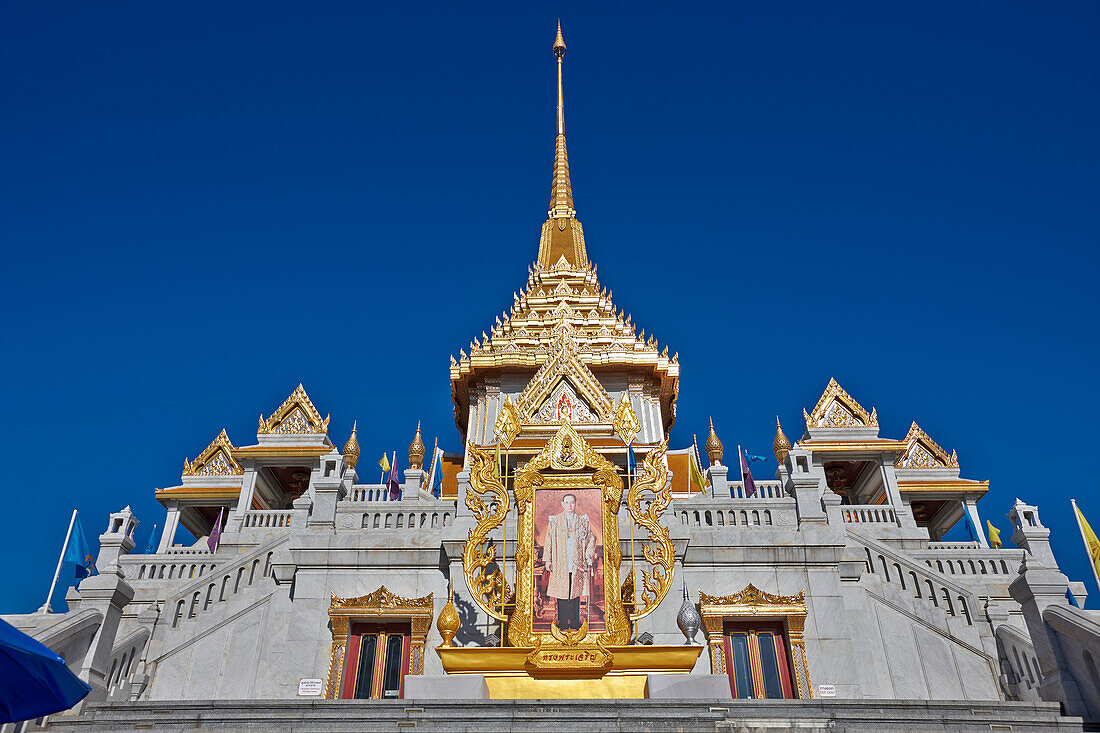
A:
(1088, 551)
(56, 573)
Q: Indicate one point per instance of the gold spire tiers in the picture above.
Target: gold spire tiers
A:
(562, 298)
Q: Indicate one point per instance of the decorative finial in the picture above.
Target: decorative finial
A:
(781, 446)
(448, 622)
(714, 446)
(559, 43)
(351, 448)
(688, 618)
(416, 449)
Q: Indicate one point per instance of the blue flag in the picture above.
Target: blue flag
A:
(1071, 599)
(753, 457)
(79, 552)
(970, 526)
(151, 546)
(631, 461)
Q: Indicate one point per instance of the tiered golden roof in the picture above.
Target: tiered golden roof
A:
(923, 452)
(563, 297)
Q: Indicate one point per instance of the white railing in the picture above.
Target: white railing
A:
(267, 518)
(369, 492)
(734, 513)
(764, 490)
(409, 517)
(869, 514)
(972, 559)
(159, 567)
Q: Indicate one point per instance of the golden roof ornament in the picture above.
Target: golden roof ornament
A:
(416, 449)
(351, 448)
(714, 446)
(781, 446)
(559, 43)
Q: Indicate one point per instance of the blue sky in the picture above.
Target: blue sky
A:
(205, 204)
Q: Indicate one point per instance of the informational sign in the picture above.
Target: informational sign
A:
(826, 690)
(310, 687)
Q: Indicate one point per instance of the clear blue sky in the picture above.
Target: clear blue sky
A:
(205, 203)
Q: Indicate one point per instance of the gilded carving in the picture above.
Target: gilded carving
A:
(507, 426)
(755, 603)
(215, 460)
(382, 604)
(658, 551)
(923, 452)
(478, 557)
(296, 415)
(625, 421)
(838, 409)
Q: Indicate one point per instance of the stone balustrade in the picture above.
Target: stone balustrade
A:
(167, 566)
(369, 492)
(732, 512)
(230, 579)
(268, 518)
(400, 516)
(869, 514)
(971, 559)
(919, 580)
(764, 490)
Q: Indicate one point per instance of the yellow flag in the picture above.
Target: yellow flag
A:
(384, 464)
(1090, 540)
(994, 535)
(695, 476)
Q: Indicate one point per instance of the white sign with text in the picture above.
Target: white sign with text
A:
(310, 687)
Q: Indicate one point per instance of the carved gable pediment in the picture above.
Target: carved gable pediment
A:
(564, 405)
(838, 409)
(296, 416)
(215, 460)
(923, 452)
(564, 377)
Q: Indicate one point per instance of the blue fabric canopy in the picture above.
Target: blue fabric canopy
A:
(33, 680)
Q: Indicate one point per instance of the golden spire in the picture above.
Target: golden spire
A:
(714, 446)
(562, 236)
(781, 446)
(351, 448)
(416, 449)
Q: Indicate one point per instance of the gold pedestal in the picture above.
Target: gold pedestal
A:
(510, 676)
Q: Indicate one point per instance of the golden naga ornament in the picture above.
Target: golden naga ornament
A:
(658, 553)
(485, 581)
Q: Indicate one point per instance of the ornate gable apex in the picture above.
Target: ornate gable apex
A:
(215, 460)
(564, 365)
(923, 452)
(838, 409)
(296, 416)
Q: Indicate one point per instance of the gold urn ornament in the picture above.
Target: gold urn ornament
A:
(448, 621)
(351, 448)
(781, 446)
(416, 449)
(714, 446)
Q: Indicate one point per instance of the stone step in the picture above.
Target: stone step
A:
(557, 716)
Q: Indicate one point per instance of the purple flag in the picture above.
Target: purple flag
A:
(746, 474)
(393, 483)
(215, 534)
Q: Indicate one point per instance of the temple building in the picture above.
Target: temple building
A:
(568, 553)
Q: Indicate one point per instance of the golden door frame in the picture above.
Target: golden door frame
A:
(381, 605)
(755, 603)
